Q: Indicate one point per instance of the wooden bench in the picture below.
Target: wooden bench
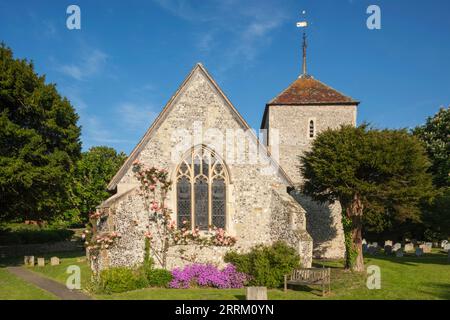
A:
(311, 276)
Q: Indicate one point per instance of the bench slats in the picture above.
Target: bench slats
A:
(321, 276)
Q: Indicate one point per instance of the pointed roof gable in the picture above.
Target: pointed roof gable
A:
(308, 91)
(158, 121)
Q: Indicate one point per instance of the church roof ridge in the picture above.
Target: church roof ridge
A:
(139, 147)
(306, 90)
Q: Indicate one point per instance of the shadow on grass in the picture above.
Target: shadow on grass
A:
(440, 290)
(412, 260)
(19, 261)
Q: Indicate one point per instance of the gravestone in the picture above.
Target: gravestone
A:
(364, 245)
(399, 253)
(443, 243)
(425, 248)
(447, 247)
(387, 249)
(396, 247)
(409, 247)
(256, 293)
(419, 252)
(54, 261)
(388, 243)
(374, 250)
(429, 245)
(29, 261)
(41, 262)
(375, 244)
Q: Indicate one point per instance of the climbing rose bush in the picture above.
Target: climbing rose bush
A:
(206, 275)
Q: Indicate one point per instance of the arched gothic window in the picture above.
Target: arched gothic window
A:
(201, 185)
(311, 129)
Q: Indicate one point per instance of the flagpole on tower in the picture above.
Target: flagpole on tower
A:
(303, 24)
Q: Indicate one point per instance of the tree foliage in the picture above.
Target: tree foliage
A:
(435, 134)
(91, 176)
(381, 172)
(39, 142)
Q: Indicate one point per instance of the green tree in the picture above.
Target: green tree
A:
(435, 134)
(39, 142)
(91, 176)
(381, 172)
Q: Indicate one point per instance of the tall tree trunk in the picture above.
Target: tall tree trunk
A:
(354, 256)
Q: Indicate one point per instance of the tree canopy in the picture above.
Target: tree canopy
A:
(39, 142)
(435, 134)
(92, 173)
(381, 172)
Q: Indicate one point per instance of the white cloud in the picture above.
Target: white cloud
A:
(136, 117)
(247, 26)
(90, 64)
(95, 132)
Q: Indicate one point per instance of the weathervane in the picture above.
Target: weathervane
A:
(303, 24)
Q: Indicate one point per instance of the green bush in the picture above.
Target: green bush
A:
(159, 278)
(266, 265)
(121, 279)
(19, 233)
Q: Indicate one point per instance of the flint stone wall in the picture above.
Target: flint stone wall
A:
(256, 193)
(290, 123)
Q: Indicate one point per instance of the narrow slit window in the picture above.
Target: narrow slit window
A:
(311, 129)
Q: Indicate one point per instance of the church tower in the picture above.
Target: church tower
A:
(292, 120)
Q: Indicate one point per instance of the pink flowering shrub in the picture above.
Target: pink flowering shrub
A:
(206, 275)
(162, 231)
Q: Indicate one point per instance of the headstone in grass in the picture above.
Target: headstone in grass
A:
(399, 253)
(443, 243)
(373, 250)
(29, 261)
(388, 249)
(429, 245)
(419, 252)
(409, 247)
(396, 247)
(425, 248)
(447, 247)
(364, 246)
(41, 262)
(256, 293)
(54, 261)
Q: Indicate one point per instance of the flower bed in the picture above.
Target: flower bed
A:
(206, 275)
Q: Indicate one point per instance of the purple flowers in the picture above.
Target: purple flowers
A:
(206, 275)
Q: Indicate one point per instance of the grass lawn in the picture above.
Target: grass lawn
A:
(14, 288)
(409, 277)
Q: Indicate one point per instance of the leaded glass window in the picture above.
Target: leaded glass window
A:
(218, 202)
(184, 200)
(201, 190)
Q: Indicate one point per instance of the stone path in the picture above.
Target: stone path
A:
(49, 285)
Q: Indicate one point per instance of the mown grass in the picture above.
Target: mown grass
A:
(409, 277)
(14, 288)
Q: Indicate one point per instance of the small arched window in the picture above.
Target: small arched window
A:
(311, 129)
(201, 190)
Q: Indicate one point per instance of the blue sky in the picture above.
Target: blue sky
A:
(130, 56)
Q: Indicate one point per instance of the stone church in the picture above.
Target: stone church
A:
(224, 174)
